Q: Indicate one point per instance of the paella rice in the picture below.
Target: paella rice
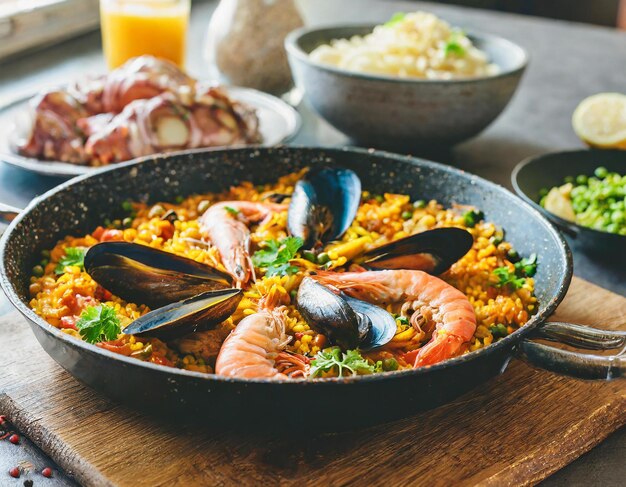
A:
(487, 275)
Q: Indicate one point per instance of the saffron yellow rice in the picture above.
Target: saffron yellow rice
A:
(380, 219)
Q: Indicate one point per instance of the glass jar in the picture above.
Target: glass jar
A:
(245, 43)
(133, 28)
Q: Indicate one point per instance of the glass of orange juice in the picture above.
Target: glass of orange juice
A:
(133, 28)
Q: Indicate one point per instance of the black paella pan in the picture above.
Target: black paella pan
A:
(81, 204)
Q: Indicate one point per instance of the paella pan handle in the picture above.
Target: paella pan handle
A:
(577, 364)
(8, 213)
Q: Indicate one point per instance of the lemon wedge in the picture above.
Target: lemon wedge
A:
(600, 121)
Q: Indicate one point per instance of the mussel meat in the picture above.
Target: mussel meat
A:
(345, 321)
(323, 205)
(198, 313)
(144, 275)
(432, 251)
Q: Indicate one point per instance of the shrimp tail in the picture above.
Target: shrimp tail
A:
(441, 347)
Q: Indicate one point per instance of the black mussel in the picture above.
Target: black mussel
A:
(345, 321)
(143, 275)
(328, 313)
(383, 324)
(198, 313)
(323, 205)
(432, 251)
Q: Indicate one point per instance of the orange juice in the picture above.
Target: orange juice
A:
(132, 28)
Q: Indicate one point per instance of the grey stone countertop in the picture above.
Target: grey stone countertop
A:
(567, 63)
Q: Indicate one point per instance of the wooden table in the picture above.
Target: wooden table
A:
(568, 62)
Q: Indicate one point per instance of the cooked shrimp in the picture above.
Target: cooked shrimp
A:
(253, 347)
(225, 225)
(429, 297)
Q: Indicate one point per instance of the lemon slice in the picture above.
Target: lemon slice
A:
(600, 120)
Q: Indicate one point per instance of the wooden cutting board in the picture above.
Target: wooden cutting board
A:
(516, 429)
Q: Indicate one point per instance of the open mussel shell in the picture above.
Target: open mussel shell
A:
(323, 205)
(383, 324)
(144, 275)
(432, 251)
(328, 313)
(345, 321)
(198, 313)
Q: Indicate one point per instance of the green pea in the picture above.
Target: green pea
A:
(45, 254)
(390, 364)
(38, 271)
(179, 199)
(406, 215)
(323, 258)
(601, 172)
(310, 256)
(127, 222)
(127, 206)
(581, 179)
(544, 191)
(569, 179)
(419, 204)
(44, 262)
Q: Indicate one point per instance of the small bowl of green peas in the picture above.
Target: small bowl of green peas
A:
(583, 192)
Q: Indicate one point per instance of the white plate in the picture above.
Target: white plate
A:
(278, 122)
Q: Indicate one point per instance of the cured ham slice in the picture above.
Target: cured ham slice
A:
(55, 133)
(164, 124)
(146, 106)
(141, 78)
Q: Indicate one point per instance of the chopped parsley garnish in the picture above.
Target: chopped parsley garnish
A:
(343, 364)
(98, 324)
(74, 256)
(472, 217)
(231, 211)
(274, 256)
(508, 278)
(526, 267)
(453, 46)
(395, 19)
(403, 320)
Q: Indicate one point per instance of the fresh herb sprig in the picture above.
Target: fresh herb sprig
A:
(526, 267)
(274, 256)
(98, 324)
(74, 256)
(343, 364)
(508, 278)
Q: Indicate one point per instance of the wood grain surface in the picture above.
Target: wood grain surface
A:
(516, 429)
